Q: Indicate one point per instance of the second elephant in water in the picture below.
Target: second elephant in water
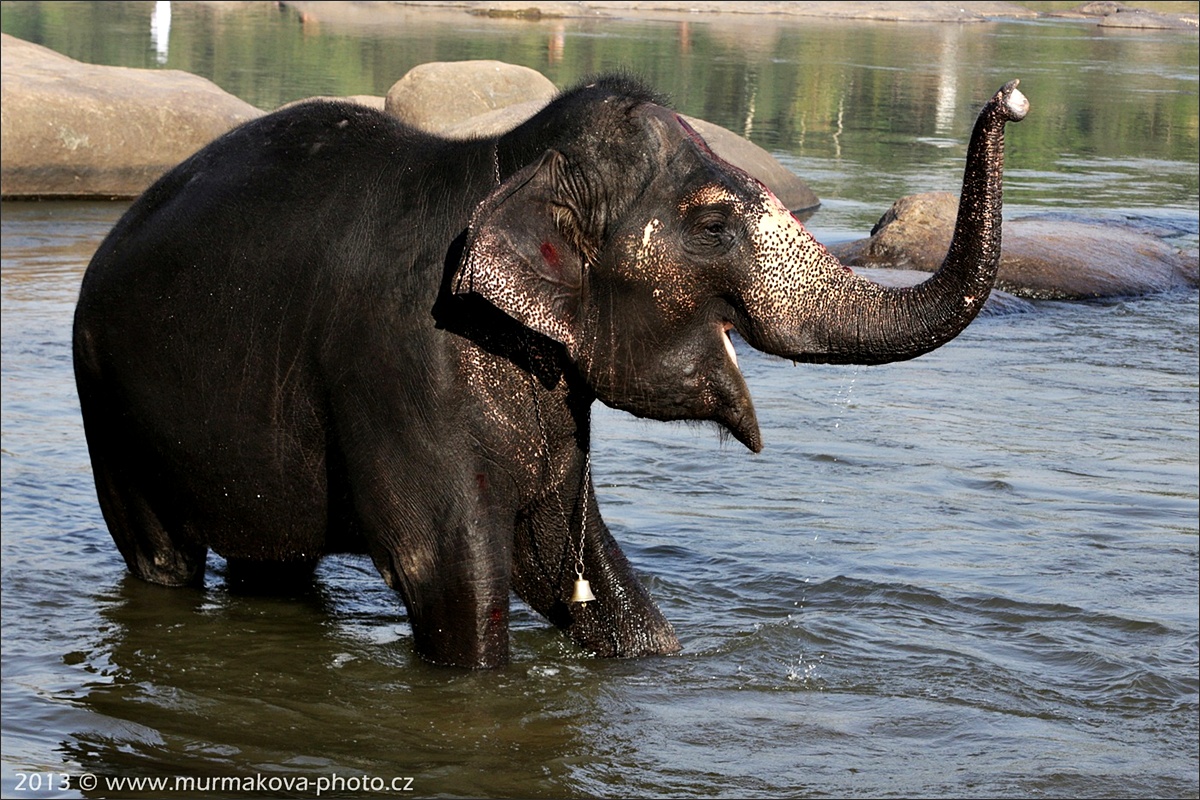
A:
(328, 331)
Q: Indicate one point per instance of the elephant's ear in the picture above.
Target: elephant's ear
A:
(522, 252)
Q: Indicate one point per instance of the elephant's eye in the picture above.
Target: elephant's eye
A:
(710, 230)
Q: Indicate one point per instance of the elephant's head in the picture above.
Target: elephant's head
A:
(636, 247)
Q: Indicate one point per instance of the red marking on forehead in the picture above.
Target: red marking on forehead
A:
(698, 140)
(550, 254)
(694, 136)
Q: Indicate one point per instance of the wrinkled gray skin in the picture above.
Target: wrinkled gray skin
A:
(260, 374)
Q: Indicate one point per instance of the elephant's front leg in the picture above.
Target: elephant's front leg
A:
(623, 620)
(436, 538)
(458, 603)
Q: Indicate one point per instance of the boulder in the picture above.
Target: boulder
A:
(1050, 256)
(436, 95)
(69, 129)
(914, 233)
(465, 99)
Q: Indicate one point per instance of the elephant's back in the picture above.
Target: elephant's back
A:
(207, 316)
(278, 192)
(286, 220)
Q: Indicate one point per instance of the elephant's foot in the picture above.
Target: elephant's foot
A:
(633, 629)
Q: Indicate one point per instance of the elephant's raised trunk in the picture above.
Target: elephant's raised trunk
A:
(850, 320)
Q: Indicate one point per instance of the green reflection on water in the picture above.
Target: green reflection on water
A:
(887, 106)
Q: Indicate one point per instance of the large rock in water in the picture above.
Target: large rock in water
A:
(463, 99)
(1051, 256)
(439, 94)
(69, 129)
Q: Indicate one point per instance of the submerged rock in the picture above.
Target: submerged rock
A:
(1047, 256)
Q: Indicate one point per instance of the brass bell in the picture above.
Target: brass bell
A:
(583, 591)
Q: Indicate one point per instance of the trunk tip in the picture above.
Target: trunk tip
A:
(1011, 101)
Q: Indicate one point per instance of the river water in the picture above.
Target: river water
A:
(969, 575)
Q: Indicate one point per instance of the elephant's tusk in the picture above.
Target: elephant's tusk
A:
(725, 329)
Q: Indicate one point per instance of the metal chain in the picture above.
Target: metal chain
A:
(584, 484)
(583, 499)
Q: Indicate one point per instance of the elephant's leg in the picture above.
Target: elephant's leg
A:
(623, 620)
(422, 506)
(155, 548)
(453, 575)
(460, 609)
(155, 552)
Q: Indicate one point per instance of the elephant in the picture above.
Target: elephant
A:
(329, 332)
